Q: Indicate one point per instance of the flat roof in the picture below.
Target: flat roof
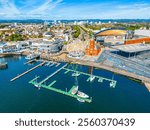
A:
(133, 48)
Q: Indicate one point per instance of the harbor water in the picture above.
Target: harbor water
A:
(20, 96)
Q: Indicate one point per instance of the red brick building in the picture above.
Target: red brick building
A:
(92, 49)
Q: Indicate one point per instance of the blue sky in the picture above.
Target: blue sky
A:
(74, 9)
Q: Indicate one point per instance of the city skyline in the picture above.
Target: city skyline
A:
(65, 9)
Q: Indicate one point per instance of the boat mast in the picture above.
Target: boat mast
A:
(76, 81)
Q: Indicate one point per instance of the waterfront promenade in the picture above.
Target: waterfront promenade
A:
(105, 67)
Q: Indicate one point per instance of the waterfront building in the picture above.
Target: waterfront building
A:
(47, 36)
(138, 40)
(4, 48)
(142, 33)
(76, 54)
(112, 36)
(92, 49)
(50, 47)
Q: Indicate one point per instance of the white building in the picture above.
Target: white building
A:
(145, 33)
(66, 37)
(4, 48)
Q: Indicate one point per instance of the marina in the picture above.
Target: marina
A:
(72, 92)
(41, 99)
(82, 66)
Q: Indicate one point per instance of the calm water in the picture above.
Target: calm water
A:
(20, 96)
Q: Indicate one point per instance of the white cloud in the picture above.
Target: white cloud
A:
(45, 8)
(106, 11)
(56, 9)
(8, 8)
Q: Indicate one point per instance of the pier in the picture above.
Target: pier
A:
(115, 70)
(17, 77)
(53, 74)
(67, 93)
(30, 61)
(100, 79)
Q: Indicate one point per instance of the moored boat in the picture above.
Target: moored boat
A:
(75, 90)
(75, 74)
(92, 78)
(32, 56)
(82, 95)
(80, 100)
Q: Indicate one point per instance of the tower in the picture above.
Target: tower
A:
(92, 49)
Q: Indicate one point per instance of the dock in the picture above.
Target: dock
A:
(99, 77)
(67, 93)
(19, 76)
(114, 70)
(30, 61)
(53, 74)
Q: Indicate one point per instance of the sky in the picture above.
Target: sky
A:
(74, 9)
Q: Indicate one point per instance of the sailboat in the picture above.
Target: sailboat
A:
(92, 77)
(112, 83)
(79, 93)
(37, 85)
(75, 90)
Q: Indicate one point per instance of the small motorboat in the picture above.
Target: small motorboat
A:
(75, 74)
(80, 100)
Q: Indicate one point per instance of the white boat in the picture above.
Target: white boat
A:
(75, 90)
(38, 86)
(82, 95)
(75, 74)
(32, 56)
(92, 78)
(80, 100)
(112, 84)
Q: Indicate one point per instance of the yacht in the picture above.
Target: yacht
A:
(32, 56)
(82, 95)
(75, 90)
